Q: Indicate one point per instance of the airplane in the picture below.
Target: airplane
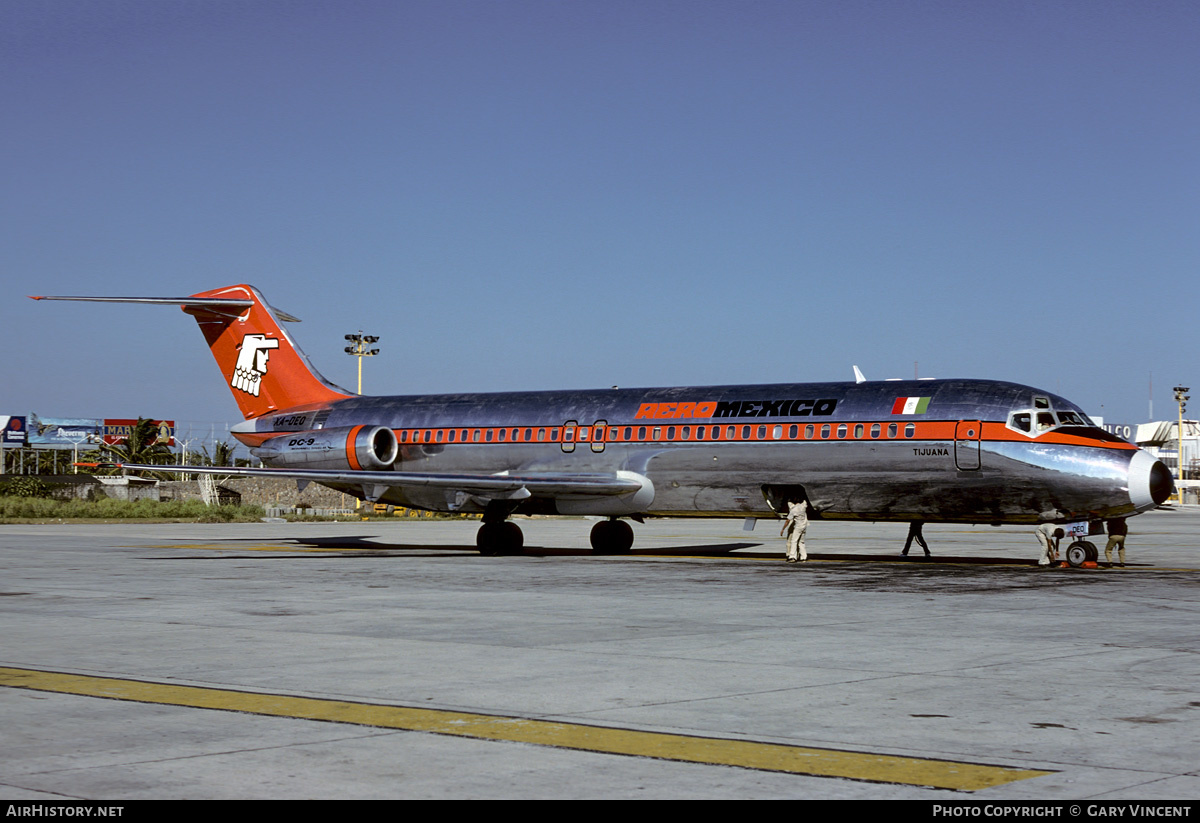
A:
(949, 451)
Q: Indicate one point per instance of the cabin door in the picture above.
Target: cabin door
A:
(966, 444)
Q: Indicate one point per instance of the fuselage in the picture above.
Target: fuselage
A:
(960, 450)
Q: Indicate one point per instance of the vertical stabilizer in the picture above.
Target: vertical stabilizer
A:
(261, 365)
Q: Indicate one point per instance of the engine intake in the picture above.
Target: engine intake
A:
(370, 448)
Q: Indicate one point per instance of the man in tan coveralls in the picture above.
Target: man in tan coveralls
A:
(795, 526)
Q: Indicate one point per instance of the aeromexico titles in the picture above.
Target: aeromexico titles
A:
(961, 450)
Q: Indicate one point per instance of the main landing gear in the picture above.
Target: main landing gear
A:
(498, 538)
(501, 536)
(612, 537)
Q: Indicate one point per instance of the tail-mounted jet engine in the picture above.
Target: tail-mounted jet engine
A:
(371, 448)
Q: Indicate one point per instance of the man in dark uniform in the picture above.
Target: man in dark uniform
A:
(914, 533)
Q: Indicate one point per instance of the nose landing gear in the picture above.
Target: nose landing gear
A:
(1081, 552)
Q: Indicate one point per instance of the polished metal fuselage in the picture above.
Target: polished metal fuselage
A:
(853, 449)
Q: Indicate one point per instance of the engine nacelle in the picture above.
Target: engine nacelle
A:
(371, 448)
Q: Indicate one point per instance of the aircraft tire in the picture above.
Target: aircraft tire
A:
(611, 537)
(504, 538)
(1077, 553)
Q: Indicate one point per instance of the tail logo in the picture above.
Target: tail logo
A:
(252, 362)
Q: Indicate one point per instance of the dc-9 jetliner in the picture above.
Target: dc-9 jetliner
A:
(961, 451)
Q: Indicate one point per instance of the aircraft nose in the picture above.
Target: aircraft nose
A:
(1150, 482)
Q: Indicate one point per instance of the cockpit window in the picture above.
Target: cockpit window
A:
(1043, 417)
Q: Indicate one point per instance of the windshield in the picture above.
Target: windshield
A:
(1043, 417)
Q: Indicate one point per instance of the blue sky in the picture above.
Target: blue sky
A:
(534, 195)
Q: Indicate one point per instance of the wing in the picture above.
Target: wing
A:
(557, 485)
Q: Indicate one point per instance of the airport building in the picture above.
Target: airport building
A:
(1162, 440)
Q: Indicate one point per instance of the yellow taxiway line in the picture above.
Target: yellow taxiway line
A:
(774, 757)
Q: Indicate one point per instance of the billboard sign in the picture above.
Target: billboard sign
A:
(12, 430)
(63, 432)
(116, 431)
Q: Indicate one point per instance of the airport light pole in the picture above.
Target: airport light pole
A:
(360, 350)
(1181, 397)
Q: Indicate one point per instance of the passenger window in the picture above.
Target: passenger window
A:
(808, 432)
(841, 431)
(891, 429)
(700, 432)
(628, 435)
(874, 430)
(910, 429)
(670, 432)
(440, 434)
(641, 432)
(745, 432)
(762, 432)
(825, 431)
(541, 435)
(687, 433)
(729, 432)
(657, 434)
(858, 430)
(793, 430)
(777, 432)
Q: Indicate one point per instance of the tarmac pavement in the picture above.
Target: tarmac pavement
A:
(390, 660)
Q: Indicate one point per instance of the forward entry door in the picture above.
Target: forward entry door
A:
(967, 434)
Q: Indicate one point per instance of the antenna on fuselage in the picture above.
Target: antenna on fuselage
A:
(858, 376)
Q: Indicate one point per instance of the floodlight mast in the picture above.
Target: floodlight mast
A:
(1181, 397)
(360, 350)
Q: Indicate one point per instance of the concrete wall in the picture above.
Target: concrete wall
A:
(264, 491)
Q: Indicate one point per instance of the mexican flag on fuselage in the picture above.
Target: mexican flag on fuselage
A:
(910, 405)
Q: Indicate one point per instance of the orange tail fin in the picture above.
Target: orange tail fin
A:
(262, 366)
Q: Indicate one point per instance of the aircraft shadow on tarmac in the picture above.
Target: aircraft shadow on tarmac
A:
(365, 544)
(370, 546)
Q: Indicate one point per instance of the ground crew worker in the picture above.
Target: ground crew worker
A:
(914, 533)
(1048, 535)
(1117, 531)
(795, 526)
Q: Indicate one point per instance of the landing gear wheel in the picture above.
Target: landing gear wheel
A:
(1080, 552)
(499, 538)
(612, 537)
